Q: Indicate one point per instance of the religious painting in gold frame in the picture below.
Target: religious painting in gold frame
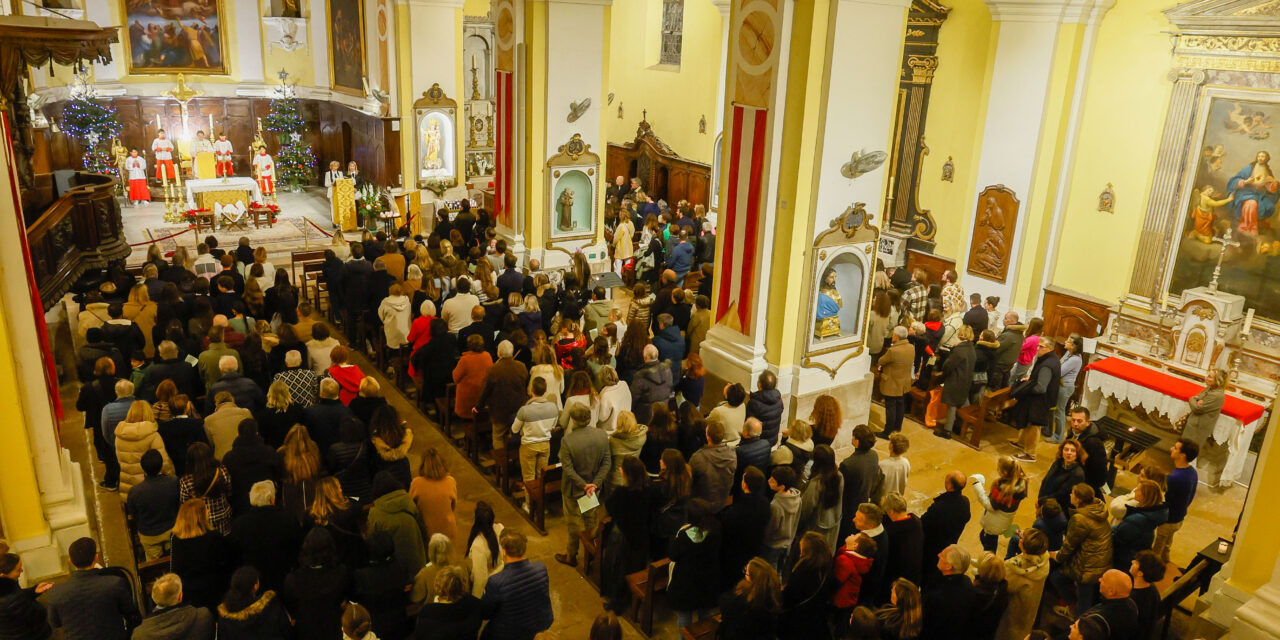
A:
(572, 202)
(842, 265)
(346, 46)
(190, 37)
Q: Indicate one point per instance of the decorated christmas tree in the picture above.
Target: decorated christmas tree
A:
(94, 124)
(295, 163)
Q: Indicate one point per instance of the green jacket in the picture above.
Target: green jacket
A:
(396, 514)
(1086, 547)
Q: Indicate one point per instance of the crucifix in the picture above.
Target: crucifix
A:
(183, 94)
(1226, 241)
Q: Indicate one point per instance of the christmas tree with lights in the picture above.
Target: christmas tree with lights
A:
(87, 119)
(295, 163)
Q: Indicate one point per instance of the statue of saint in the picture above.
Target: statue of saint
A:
(120, 154)
(827, 318)
(565, 202)
(431, 142)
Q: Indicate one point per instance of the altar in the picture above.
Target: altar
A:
(204, 194)
(1156, 392)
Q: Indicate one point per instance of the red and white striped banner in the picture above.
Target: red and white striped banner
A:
(741, 216)
(504, 160)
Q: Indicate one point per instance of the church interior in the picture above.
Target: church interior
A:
(1028, 243)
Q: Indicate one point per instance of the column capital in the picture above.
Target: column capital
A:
(723, 7)
(443, 4)
(1055, 11)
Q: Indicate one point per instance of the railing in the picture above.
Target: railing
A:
(79, 231)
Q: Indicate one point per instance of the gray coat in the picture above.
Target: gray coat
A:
(1205, 408)
(182, 622)
(713, 468)
(957, 374)
(585, 454)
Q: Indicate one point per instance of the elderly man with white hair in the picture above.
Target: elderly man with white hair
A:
(244, 390)
(302, 382)
(267, 537)
(652, 383)
(895, 379)
(173, 619)
(949, 603)
(169, 366)
(503, 393)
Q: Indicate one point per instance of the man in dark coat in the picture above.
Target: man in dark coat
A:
(862, 476)
(91, 604)
(957, 379)
(505, 390)
(511, 281)
(651, 384)
(1116, 607)
(517, 599)
(172, 619)
(712, 468)
(1096, 467)
(1037, 395)
(169, 366)
(1010, 340)
(670, 344)
(944, 521)
(246, 392)
(747, 518)
(356, 274)
(948, 604)
(324, 418)
(752, 451)
(249, 461)
(266, 537)
(976, 317)
(122, 332)
(22, 617)
(478, 327)
(906, 539)
(97, 347)
(765, 405)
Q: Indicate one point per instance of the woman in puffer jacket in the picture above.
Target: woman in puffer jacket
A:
(1001, 502)
(1137, 531)
(136, 435)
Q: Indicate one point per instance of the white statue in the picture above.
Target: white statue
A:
(431, 143)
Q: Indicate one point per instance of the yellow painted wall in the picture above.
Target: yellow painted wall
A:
(674, 98)
(476, 7)
(19, 493)
(535, 160)
(957, 110)
(1128, 94)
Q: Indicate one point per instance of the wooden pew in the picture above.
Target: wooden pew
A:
(644, 584)
(546, 485)
(973, 417)
(704, 629)
(593, 544)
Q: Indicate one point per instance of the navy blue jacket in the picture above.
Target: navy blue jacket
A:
(517, 602)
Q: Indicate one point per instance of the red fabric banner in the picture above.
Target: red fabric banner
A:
(1173, 386)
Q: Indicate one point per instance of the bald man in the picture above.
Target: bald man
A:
(1117, 609)
(944, 521)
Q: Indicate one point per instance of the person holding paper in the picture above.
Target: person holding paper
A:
(585, 455)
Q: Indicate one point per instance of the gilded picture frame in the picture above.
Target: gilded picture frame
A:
(348, 79)
(851, 242)
(576, 167)
(145, 31)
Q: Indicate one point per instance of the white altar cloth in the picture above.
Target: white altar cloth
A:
(223, 184)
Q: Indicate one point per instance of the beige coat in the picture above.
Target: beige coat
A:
(895, 368)
(1026, 575)
(699, 324)
(143, 315)
(622, 238)
(222, 426)
(133, 439)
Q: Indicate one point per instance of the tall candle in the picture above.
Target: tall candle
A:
(158, 126)
(1248, 322)
(211, 125)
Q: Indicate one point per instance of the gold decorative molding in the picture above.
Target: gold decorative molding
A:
(574, 152)
(922, 68)
(1246, 44)
(1223, 63)
(435, 98)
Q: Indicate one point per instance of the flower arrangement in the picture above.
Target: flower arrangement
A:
(369, 205)
(273, 208)
(192, 216)
(439, 185)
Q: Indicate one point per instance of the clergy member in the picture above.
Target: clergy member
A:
(222, 156)
(202, 144)
(333, 175)
(139, 192)
(163, 148)
(265, 168)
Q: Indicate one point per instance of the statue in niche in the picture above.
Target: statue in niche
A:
(993, 249)
(290, 9)
(827, 318)
(565, 202)
(431, 142)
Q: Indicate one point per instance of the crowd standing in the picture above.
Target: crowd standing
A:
(253, 452)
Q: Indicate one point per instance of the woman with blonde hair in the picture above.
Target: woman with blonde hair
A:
(1001, 502)
(199, 556)
(301, 460)
(452, 612)
(546, 367)
(268, 277)
(796, 449)
(825, 419)
(367, 400)
(486, 282)
(136, 435)
(441, 555)
(142, 311)
(531, 317)
(435, 492)
(255, 298)
(412, 280)
(626, 441)
(280, 415)
(992, 591)
(331, 509)
(339, 246)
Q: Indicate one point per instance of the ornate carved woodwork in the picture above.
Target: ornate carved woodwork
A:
(919, 61)
(993, 227)
(663, 173)
(1067, 312)
(79, 231)
(347, 134)
(931, 263)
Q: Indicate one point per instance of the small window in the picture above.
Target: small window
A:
(672, 31)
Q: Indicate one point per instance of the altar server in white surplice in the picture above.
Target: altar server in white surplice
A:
(222, 156)
(163, 148)
(265, 168)
(136, 165)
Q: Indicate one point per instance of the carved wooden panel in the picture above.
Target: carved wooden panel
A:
(347, 134)
(932, 264)
(664, 174)
(1066, 313)
(993, 227)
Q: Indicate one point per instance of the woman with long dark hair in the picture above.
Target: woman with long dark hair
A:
(820, 501)
(391, 442)
(630, 355)
(248, 614)
(482, 548)
(670, 502)
(660, 436)
(902, 618)
(208, 480)
(750, 612)
(695, 553)
(630, 507)
(806, 600)
(691, 428)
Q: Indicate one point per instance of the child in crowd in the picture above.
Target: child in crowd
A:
(1001, 502)
(896, 468)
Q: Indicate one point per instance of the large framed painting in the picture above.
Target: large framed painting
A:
(171, 36)
(346, 46)
(1229, 194)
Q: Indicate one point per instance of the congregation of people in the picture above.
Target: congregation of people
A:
(251, 450)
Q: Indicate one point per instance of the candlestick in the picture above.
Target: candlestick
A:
(1164, 300)
(211, 125)
(1248, 322)
(158, 126)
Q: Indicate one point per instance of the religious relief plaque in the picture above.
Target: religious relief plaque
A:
(993, 228)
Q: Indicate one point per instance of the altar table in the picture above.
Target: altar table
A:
(1159, 392)
(203, 194)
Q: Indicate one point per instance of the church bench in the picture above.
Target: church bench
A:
(704, 629)
(974, 417)
(593, 549)
(547, 484)
(644, 585)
